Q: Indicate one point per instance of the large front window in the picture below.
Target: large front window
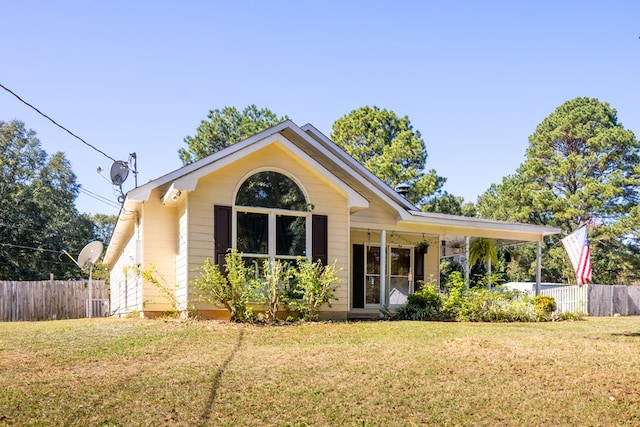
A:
(272, 219)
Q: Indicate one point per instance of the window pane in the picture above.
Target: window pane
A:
(291, 235)
(255, 271)
(373, 289)
(398, 290)
(400, 261)
(253, 233)
(271, 190)
(373, 260)
(255, 267)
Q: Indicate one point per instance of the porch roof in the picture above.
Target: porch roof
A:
(483, 227)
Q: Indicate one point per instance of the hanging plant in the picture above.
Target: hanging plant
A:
(457, 246)
(422, 247)
(482, 249)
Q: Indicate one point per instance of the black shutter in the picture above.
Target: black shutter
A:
(358, 276)
(319, 232)
(221, 233)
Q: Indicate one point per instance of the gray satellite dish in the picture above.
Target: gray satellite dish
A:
(89, 255)
(86, 260)
(119, 172)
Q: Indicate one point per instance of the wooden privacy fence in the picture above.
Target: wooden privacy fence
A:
(51, 299)
(596, 300)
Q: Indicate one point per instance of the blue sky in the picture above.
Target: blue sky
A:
(475, 78)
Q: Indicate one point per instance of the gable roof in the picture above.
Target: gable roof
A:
(315, 148)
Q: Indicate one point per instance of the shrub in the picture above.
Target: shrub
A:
(274, 285)
(455, 299)
(544, 306)
(153, 276)
(315, 286)
(483, 305)
(233, 290)
(570, 315)
(424, 304)
(512, 309)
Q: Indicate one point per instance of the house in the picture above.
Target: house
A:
(285, 192)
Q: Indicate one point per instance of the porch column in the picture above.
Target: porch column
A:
(467, 267)
(538, 267)
(383, 270)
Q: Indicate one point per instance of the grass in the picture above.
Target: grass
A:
(126, 372)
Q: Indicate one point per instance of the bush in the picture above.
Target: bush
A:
(153, 276)
(544, 306)
(497, 306)
(424, 304)
(456, 298)
(315, 287)
(273, 285)
(570, 315)
(233, 290)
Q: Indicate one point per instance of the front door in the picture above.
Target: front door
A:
(366, 275)
(400, 275)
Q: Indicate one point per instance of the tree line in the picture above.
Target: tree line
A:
(580, 165)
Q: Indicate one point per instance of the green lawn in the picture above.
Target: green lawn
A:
(130, 372)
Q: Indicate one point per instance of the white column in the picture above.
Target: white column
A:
(467, 267)
(383, 270)
(538, 267)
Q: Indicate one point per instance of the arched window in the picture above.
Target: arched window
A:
(272, 218)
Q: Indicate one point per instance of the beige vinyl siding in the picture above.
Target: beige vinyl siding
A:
(219, 188)
(125, 285)
(160, 237)
(432, 265)
(377, 216)
(182, 271)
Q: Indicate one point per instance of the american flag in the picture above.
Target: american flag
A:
(577, 246)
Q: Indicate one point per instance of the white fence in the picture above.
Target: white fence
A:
(574, 299)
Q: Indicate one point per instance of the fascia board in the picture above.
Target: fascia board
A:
(189, 181)
(356, 200)
(143, 192)
(474, 223)
(362, 174)
(122, 229)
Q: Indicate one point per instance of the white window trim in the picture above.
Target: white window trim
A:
(271, 225)
(272, 213)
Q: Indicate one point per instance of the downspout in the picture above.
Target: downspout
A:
(383, 271)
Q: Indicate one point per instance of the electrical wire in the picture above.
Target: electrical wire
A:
(55, 123)
(99, 198)
(30, 247)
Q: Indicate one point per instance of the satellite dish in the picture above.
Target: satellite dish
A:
(89, 255)
(87, 259)
(119, 172)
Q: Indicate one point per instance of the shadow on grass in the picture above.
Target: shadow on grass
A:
(206, 414)
(628, 334)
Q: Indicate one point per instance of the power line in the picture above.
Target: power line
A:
(99, 198)
(31, 247)
(55, 123)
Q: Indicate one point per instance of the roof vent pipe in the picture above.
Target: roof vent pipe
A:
(402, 189)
